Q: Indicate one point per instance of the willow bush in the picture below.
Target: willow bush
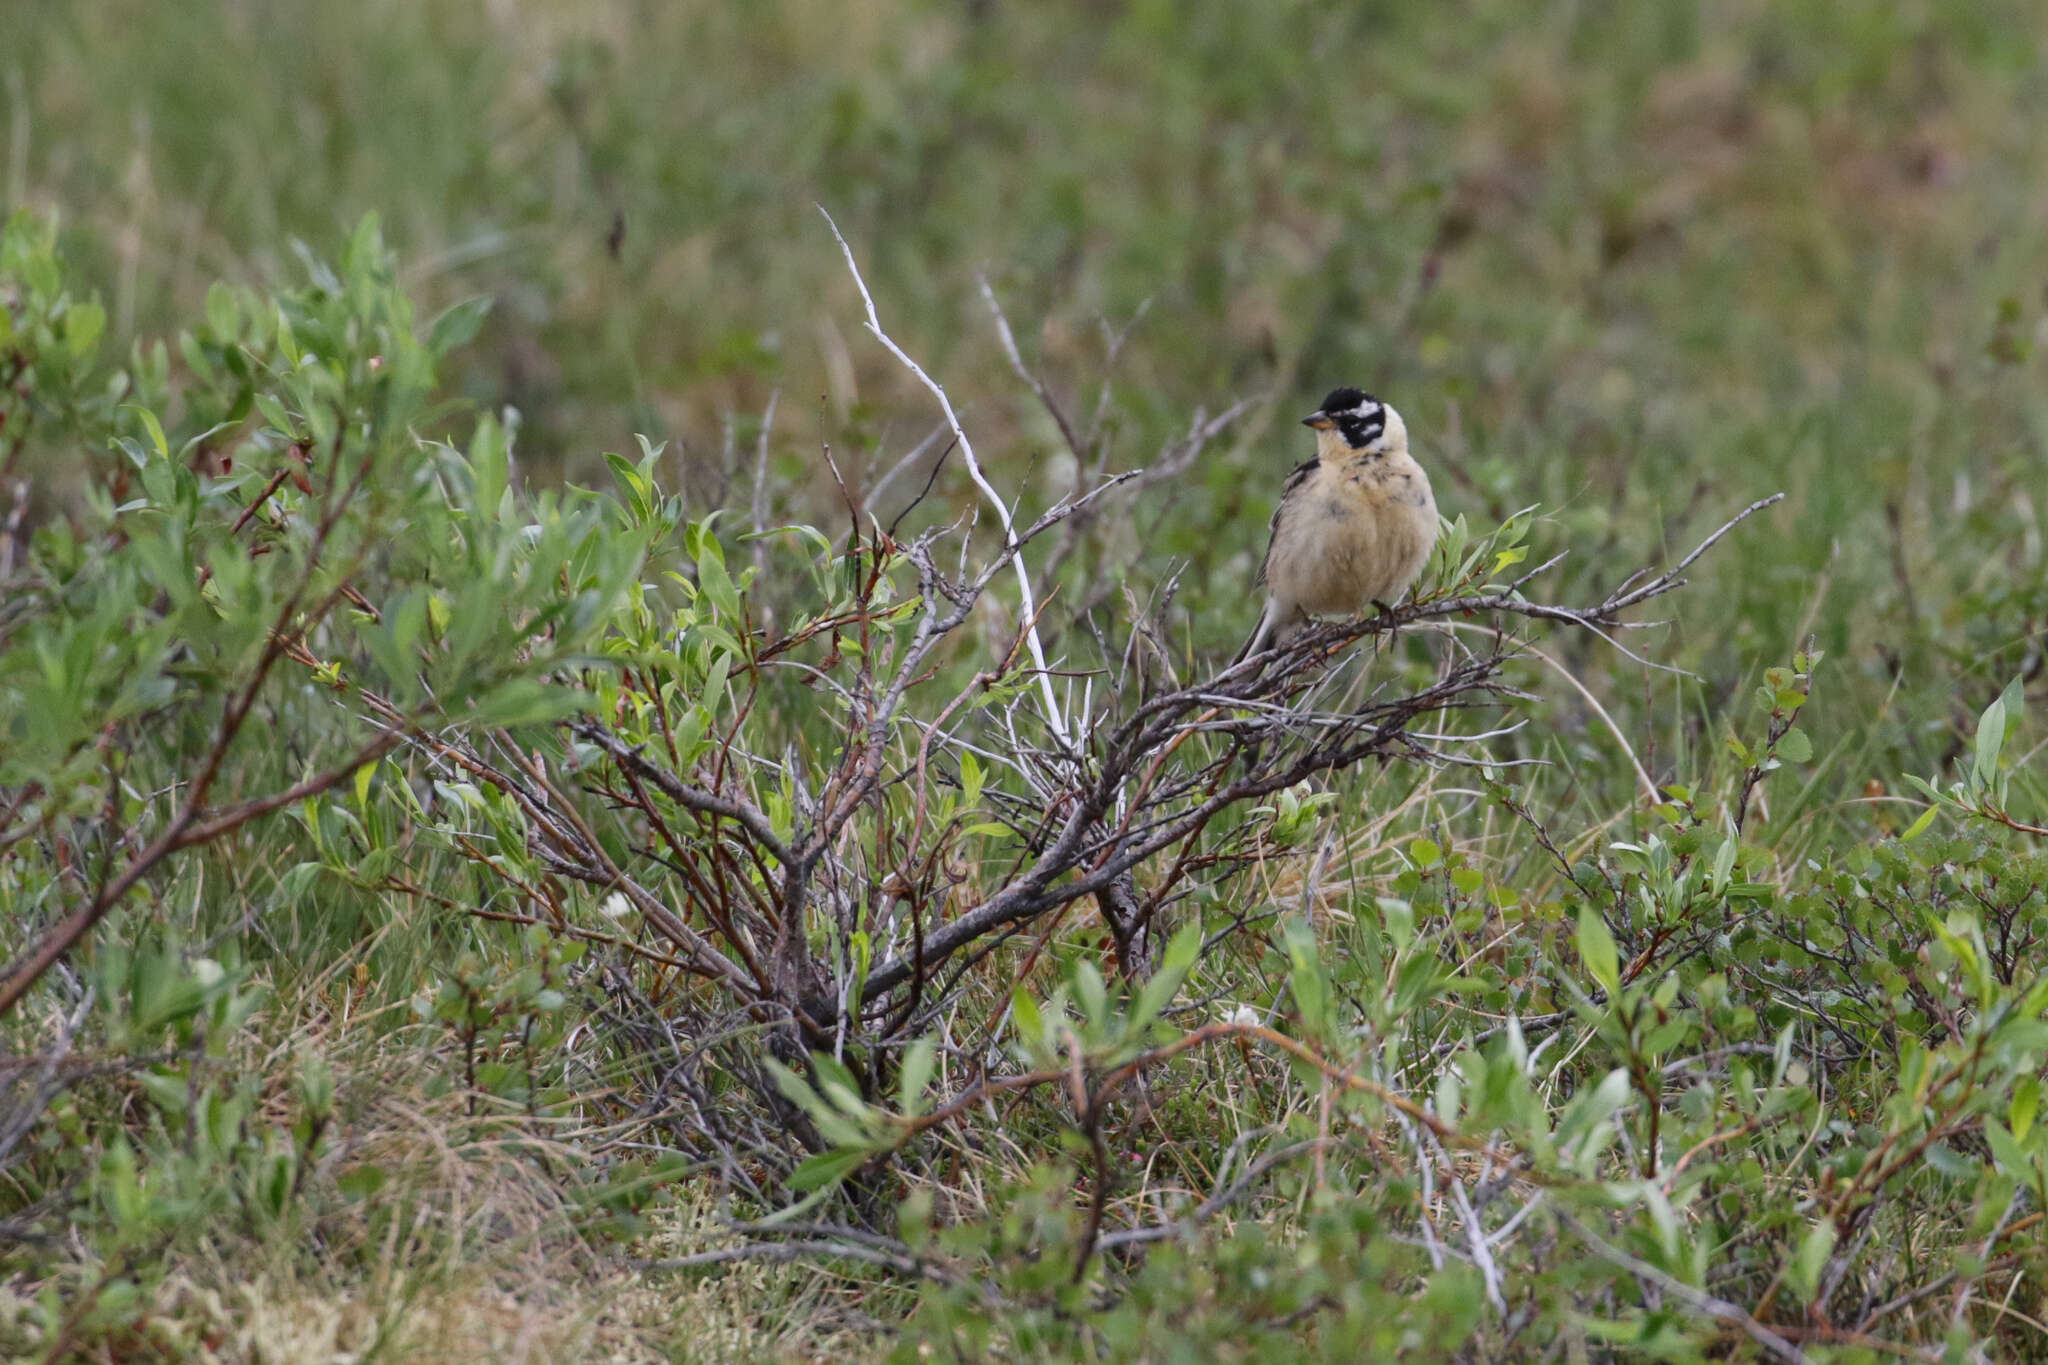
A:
(749, 894)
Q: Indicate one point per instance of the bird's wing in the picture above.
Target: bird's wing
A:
(1294, 481)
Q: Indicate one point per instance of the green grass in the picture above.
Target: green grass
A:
(1635, 265)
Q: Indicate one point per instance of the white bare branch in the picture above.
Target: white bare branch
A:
(1028, 605)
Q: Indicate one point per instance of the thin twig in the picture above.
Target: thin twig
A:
(1699, 1300)
(1054, 718)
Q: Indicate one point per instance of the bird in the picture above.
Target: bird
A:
(1355, 525)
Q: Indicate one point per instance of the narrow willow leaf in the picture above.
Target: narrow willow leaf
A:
(1597, 950)
(919, 1060)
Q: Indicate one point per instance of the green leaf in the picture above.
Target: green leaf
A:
(316, 1086)
(1724, 862)
(276, 414)
(1794, 747)
(457, 326)
(794, 1088)
(154, 428)
(1173, 970)
(1420, 978)
(826, 1169)
(919, 1060)
(298, 880)
(1306, 981)
(170, 1090)
(1091, 992)
(2007, 1152)
(1919, 826)
(1591, 1107)
(639, 490)
(1030, 1024)
(1781, 1053)
(1596, 949)
(84, 323)
(1991, 738)
(2026, 1101)
(490, 460)
(1814, 1251)
(717, 585)
(1184, 950)
(1399, 918)
(970, 781)
(222, 316)
(837, 1082)
(714, 681)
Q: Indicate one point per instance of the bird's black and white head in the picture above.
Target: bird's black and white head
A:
(1353, 422)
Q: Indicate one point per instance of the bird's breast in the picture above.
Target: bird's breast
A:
(1354, 537)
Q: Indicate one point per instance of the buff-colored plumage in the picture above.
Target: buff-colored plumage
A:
(1355, 525)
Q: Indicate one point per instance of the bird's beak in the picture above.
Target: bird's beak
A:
(1319, 420)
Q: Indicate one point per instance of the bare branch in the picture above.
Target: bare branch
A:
(684, 794)
(1698, 1300)
(1028, 599)
(1031, 381)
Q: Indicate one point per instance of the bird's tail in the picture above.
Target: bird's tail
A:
(1258, 638)
(1275, 625)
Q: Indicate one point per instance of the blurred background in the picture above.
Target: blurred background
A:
(1637, 263)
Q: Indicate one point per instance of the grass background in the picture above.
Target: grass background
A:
(1638, 264)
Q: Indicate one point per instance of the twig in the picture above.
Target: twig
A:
(1054, 718)
(1699, 1300)
(1031, 381)
(758, 505)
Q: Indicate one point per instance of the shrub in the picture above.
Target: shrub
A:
(1066, 1002)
